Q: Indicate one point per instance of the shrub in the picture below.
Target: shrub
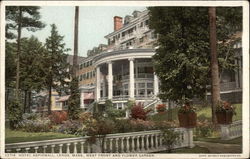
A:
(71, 127)
(57, 117)
(14, 113)
(122, 126)
(37, 125)
(138, 112)
(142, 125)
(204, 129)
(161, 108)
(30, 116)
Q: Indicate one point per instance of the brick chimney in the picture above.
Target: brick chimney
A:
(117, 23)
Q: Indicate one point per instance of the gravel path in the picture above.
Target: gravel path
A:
(219, 148)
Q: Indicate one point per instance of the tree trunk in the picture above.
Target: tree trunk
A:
(49, 102)
(29, 102)
(19, 31)
(75, 41)
(215, 91)
(25, 102)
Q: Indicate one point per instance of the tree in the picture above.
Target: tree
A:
(31, 63)
(182, 60)
(214, 62)
(17, 18)
(55, 66)
(74, 100)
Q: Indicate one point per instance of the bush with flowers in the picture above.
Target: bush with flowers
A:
(142, 125)
(57, 117)
(138, 112)
(35, 123)
(161, 108)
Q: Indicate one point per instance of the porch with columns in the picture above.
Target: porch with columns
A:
(125, 80)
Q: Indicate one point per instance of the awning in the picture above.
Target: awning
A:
(63, 98)
(88, 96)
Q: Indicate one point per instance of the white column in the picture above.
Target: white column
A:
(190, 137)
(82, 100)
(225, 132)
(156, 85)
(131, 78)
(110, 80)
(104, 86)
(98, 84)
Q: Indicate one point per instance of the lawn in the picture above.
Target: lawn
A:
(202, 114)
(12, 136)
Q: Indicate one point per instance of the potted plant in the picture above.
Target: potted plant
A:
(224, 112)
(187, 116)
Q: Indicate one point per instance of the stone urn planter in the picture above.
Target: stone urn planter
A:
(187, 116)
(224, 117)
(187, 120)
(224, 112)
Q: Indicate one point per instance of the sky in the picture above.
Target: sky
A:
(94, 23)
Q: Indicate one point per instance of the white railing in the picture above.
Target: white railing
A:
(231, 131)
(144, 141)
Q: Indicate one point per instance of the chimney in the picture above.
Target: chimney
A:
(117, 23)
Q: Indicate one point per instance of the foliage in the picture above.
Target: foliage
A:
(30, 116)
(122, 126)
(14, 113)
(98, 131)
(37, 124)
(161, 108)
(142, 125)
(74, 100)
(57, 117)
(203, 129)
(17, 18)
(71, 127)
(182, 59)
(138, 112)
(55, 64)
(170, 137)
(187, 108)
(224, 106)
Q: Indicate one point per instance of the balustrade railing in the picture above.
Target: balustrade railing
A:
(139, 142)
(231, 131)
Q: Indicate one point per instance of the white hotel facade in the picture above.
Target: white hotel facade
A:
(124, 69)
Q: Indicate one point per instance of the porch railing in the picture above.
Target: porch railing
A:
(144, 141)
(231, 131)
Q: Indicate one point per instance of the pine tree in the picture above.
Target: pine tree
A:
(56, 68)
(19, 17)
(31, 74)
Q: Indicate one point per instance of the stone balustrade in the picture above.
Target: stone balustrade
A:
(231, 131)
(132, 142)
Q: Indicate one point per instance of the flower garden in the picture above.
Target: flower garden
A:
(34, 127)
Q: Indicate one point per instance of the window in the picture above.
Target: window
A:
(84, 64)
(141, 85)
(146, 22)
(149, 85)
(123, 34)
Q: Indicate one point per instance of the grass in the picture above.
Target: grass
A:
(195, 149)
(237, 141)
(203, 113)
(14, 136)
